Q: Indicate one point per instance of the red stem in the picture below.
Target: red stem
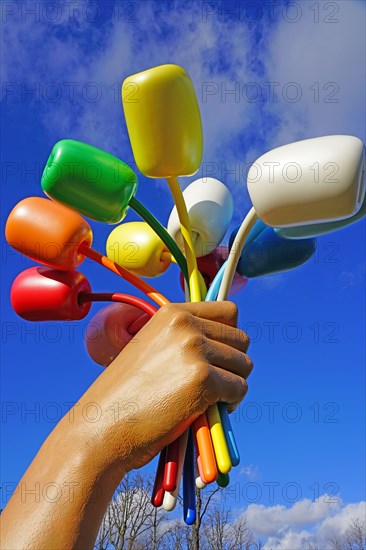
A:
(118, 297)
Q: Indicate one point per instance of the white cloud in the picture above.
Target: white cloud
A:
(305, 522)
(329, 51)
(269, 520)
(337, 524)
(225, 54)
(289, 541)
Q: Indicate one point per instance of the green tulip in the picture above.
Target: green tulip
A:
(89, 180)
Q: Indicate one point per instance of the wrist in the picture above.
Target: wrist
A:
(83, 434)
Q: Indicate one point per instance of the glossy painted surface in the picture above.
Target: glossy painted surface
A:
(137, 247)
(209, 266)
(317, 229)
(268, 253)
(111, 329)
(309, 181)
(48, 232)
(89, 180)
(210, 209)
(163, 121)
(44, 294)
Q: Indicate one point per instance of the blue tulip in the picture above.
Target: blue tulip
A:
(266, 253)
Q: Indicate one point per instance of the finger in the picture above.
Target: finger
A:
(227, 387)
(223, 312)
(228, 358)
(225, 334)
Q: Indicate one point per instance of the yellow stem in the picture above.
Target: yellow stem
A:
(194, 278)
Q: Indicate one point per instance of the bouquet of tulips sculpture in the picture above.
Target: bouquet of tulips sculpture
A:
(292, 205)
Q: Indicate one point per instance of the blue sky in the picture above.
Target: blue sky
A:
(265, 75)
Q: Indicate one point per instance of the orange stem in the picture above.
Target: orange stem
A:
(149, 290)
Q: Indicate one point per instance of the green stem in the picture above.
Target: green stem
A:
(162, 233)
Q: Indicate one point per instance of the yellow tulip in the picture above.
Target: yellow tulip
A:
(163, 121)
(136, 247)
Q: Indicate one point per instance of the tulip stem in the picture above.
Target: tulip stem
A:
(162, 233)
(194, 282)
(117, 297)
(235, 253)
(149, 290)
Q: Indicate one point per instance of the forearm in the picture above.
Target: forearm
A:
(158, 385)
(107, 433)
(61, 499)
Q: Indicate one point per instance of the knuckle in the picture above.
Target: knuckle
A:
(250, 364)
(168, 310)
(178, 319)
(194, 343)
(232, 310)
(246, 339)
(243, 388)
(242, 339)
(164, 313)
